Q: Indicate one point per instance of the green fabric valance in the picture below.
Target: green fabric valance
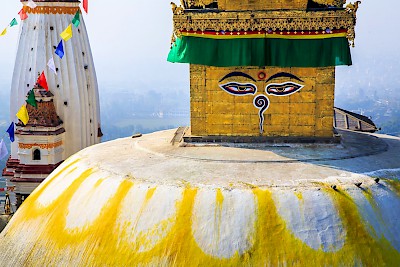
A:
(261, 52)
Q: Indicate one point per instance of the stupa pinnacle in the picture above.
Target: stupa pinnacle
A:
(74, 86)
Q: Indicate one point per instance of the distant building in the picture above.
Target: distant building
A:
(348, 120)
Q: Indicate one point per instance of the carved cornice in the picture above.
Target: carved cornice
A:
(42, 146)
(200, 3)
(51, 10)
(338, 3)
(294, 20)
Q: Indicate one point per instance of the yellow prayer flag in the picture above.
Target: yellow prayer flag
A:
(3, 32)
(67, 33)
(23, 114)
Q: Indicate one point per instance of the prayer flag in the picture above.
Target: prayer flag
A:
(23, 115)
(13, 22)
(42, 81)
(60, 50)
(76, 20)
(8, 188)
(31, 4)
(3, 149)
(51, 65)
(67, 33)
(31, 100)
(10, 132)
(3, 32)
(22, 14)
(85, 5)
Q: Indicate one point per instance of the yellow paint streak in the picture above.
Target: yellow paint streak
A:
(150, 194)
(299, 195)
(30, 212)
(59, 172)
(395, 185)
(98, 183)
(273, 243)
(219, 198)
(370, 198)
(359, 243)
(93, 241)
(143, 240)
(43, 187)
(51, 232)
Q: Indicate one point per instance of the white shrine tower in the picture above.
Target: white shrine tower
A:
(75, 88)
(40, 145)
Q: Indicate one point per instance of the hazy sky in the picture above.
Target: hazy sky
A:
(130, 40)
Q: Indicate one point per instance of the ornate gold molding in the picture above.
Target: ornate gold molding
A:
(296, 20)
(50, 10)
(203, 3)
(337, 3)
(353, 7)
(41, 146)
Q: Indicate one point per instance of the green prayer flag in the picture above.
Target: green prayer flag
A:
(76, 20)
(13, 22)
(31, 99)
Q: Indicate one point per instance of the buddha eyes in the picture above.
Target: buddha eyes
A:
(239, 88)
(283, 89)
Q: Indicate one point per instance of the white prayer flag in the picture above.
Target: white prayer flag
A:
(51, 65)
(3, 149)
(31, 4)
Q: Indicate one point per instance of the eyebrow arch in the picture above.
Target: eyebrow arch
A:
(237, 74)
(284, 74)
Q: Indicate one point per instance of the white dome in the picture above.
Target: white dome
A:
(144, 201)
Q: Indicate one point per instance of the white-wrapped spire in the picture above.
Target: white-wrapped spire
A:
(75, 87)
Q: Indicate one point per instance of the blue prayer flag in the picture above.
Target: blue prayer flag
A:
(10, 132)
(60, 50)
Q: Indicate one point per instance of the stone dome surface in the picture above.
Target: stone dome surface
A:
(147, 201)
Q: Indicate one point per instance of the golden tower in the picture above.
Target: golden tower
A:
(261, 69)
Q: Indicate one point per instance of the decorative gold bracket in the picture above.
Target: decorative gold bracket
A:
(287, 20)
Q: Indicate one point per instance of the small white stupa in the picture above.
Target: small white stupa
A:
(40, 144)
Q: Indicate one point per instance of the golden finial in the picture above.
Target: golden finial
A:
(176, 10)
(352, 8)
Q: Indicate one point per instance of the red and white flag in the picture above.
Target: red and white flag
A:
(9, 189)
(85, 5)
(22, 14)
(42, 81)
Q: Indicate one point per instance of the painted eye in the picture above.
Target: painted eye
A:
(235, 88)
(282, 89)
